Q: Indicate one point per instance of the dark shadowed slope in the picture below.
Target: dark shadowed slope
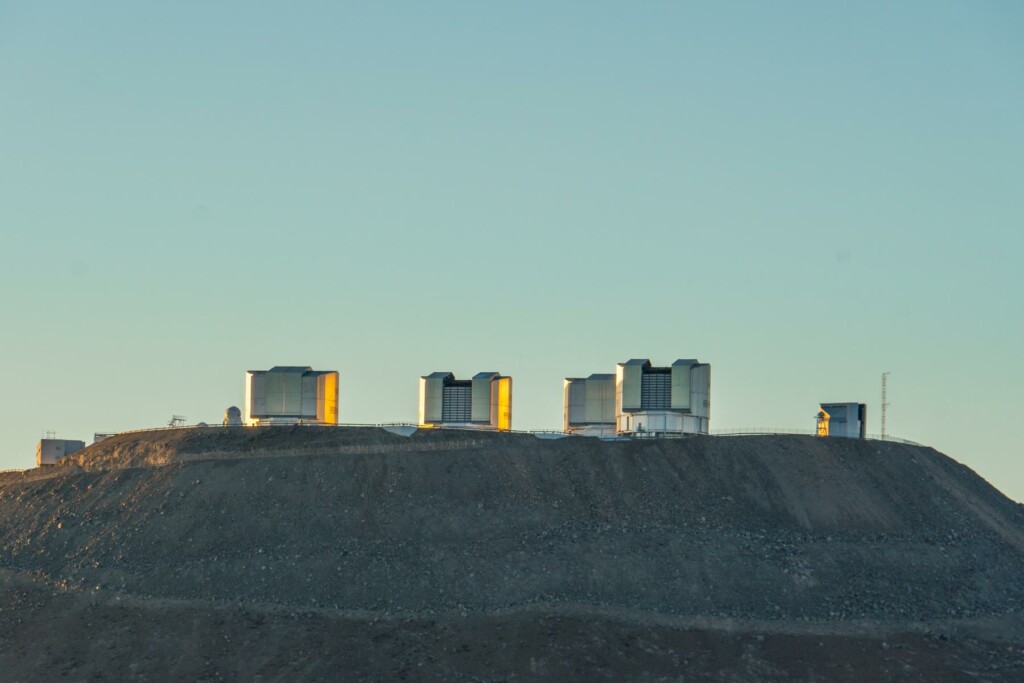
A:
(787, 536)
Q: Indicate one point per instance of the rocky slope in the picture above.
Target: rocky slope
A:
(720, 538)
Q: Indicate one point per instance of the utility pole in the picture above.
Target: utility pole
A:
(885, 399)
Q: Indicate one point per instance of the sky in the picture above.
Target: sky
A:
(803, 194)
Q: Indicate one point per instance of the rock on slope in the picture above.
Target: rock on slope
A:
(717, 538)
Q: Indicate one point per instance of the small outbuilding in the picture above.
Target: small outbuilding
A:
(232, 417)
(843, 419)
(52, 451)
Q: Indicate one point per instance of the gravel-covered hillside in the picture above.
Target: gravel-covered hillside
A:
(796, 534)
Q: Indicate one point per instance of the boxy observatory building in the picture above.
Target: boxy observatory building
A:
(291, 395)
(52, 451)
(484, 402)
(640, 399)
(589, 405)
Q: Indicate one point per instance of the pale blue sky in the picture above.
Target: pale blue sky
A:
(803, 194)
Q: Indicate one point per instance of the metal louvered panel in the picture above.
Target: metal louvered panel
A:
(456, 403)
(656, 391)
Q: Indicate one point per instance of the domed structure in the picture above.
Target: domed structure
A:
(233, 417)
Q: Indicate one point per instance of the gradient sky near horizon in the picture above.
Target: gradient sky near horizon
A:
(803, 194)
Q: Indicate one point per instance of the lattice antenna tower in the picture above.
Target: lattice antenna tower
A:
(885, 399)
(176, 421)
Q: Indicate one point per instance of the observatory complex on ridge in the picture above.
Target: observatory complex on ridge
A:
(638, 400)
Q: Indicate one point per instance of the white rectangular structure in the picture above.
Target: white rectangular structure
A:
(52, 451)
(484, 402)
(662, 400)
(847, 420)
(589, 405)
(291, 395)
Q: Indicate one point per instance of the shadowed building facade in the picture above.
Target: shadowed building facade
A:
(52, 451)
(589, 405)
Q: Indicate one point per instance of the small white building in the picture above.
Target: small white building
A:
(484, 402)
(52, 451)
(291, 395)
(589, 405)
(843, 419)
(662, 400)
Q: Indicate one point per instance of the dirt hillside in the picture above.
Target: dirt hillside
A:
(427, 543)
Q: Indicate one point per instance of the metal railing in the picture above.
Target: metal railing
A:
(540, 433)
(743, 431)
(764, 431)
(345, 425)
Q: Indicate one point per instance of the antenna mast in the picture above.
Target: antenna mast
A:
(885, 402)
